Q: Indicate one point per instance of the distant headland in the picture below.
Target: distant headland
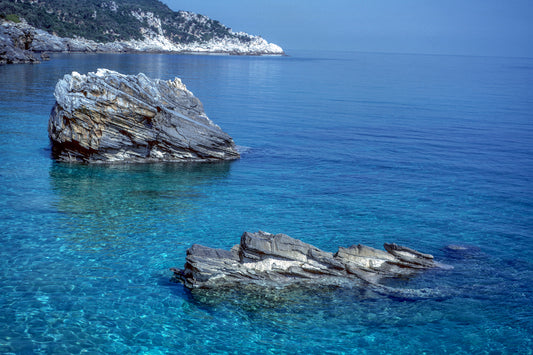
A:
(29, 28)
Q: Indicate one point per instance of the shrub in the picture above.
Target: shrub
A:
(13, 18)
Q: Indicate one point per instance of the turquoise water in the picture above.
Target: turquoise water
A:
(338, 149)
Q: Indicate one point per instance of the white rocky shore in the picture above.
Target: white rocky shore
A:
(39, 41)
(159, 43)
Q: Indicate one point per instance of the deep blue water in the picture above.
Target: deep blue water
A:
(339, 149)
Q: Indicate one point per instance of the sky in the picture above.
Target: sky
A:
(463, 27)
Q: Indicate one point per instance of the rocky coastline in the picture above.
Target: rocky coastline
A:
(16, 44)
(22, 43)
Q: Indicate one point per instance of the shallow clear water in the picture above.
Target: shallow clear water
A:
(339, 149)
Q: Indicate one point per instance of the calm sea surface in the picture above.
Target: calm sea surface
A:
(338, 149)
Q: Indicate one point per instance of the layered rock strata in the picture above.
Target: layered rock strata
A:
(279, 260)
(108, 117)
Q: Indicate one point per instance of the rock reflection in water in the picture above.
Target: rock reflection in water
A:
(112, 203)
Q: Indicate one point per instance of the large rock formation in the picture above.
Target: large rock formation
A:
(16, 44)
(279, 260)
(108, 117)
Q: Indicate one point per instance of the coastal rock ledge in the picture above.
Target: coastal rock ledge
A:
(108, 117)
(278, 260)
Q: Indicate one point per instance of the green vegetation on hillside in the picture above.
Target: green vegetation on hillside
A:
(110, 20)
(11, 17)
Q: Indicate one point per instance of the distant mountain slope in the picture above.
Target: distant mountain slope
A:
(130, 21)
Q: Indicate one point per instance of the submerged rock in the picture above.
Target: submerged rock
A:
(108, 117)
(278, 260)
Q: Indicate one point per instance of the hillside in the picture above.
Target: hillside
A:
(135, 23)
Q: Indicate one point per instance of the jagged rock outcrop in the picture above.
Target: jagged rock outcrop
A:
(15, 45)
(108, 117)
(279, 260)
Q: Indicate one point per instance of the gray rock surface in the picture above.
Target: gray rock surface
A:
(15, 45)
(108, 117)
(279, 260)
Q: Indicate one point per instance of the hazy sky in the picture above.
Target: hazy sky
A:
(478, 27)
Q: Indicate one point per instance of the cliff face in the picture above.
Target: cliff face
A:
(108, 117)
(126, 25)
(15, 45)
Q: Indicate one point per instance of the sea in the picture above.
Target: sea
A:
(432, 152)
